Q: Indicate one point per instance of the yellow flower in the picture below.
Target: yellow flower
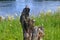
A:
(49, 11)
(10, 18)
(10, 24)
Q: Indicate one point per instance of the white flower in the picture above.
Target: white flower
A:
(10, 18)
(41, 38)
(49, 11)
(3, 17)
(34, 20)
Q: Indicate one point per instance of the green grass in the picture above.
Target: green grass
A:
(12, 30)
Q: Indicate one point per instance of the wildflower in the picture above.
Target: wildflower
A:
(49, 11)
(34, 20)
(10, 24)
(3, 17)
(10, 18)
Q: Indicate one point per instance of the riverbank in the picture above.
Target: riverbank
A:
(11, 29)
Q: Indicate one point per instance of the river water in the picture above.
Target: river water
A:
(10, 8)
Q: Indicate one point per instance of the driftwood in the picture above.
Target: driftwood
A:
(24, 22)
(38, 33)
(30, 32)
(34, 32)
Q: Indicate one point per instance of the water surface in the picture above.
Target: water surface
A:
(10, 8)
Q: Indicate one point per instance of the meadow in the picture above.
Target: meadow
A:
(12, 30)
